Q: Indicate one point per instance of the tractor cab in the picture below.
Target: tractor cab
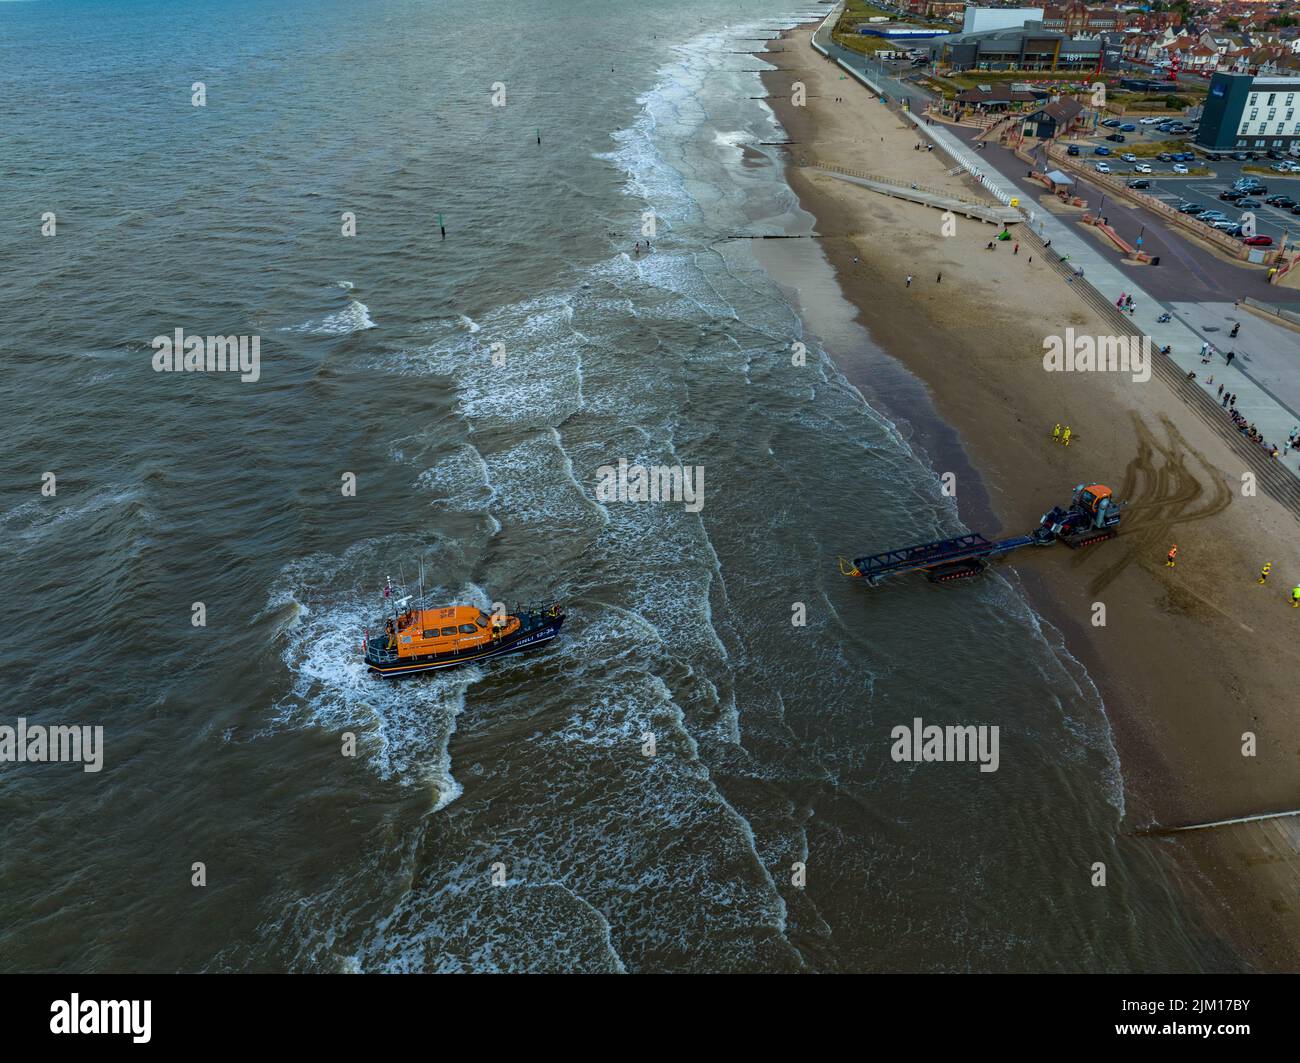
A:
(1098, 503)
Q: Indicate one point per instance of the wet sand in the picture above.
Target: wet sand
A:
(1189, 659)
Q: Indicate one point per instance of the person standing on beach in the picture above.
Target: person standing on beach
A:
(938, 278)
(1016, 250)
(1065, 436)
(909, 281)
(1295, 597)
(1263, 572)
(1056, 433)
(1170, 557)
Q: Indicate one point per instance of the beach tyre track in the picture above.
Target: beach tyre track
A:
(1163, 494)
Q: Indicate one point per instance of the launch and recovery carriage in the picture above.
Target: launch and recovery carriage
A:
(1092, 517)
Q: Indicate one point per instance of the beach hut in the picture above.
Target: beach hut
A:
(1059, 182)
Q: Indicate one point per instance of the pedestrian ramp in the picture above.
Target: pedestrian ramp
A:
(930, 197)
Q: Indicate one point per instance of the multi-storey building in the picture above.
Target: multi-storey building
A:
(1248, 112)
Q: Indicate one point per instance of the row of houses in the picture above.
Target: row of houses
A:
(1208, 52)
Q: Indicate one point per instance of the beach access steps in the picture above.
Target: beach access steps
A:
(914, 193)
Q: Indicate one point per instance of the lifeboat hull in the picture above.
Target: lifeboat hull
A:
(529, 639)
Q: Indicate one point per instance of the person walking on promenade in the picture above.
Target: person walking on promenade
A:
(1065, 436)
(1230, 356)
(1220, 391)
(1056, 433)
(1235, 329)
(1263, 572)
(1171, 557)
(1205, 349)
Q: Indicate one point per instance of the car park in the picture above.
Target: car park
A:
(1180, 168)
(1101, 167)
(1258, 241)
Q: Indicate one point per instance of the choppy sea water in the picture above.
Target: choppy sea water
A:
(505, 816)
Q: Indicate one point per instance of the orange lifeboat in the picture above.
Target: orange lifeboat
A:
(423, 640)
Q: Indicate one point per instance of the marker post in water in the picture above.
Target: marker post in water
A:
(539, 135)
(442, 228)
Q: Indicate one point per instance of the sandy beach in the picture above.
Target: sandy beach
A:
(1190, 659)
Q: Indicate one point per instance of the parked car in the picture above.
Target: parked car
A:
(1232, 228)
(1184, 156)
(1128, 127)
(1101, 149)
(1148, 121)
(1112, 123)
(1180, 168)
(1279, 200)
(1118, 138)
(1101, 167)
(1139, 184)
(1274, 155)
(1280, 167)
(1190, 208)
(1240, 156)
(1232, 193)
(1258, 241)
(1128, 156)
(1073, 149)
(1164, 156)
(1249, 204)
(1214, 215)
(1296, 209)
(1142, 167)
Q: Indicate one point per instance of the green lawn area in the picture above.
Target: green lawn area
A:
(856, 11)
(1150, 148)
